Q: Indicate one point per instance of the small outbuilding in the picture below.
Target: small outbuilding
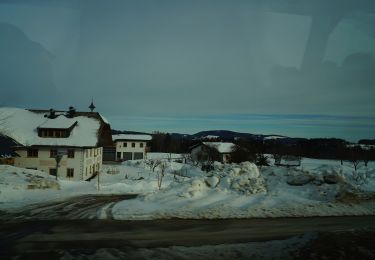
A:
(213, 151)
(130, 146)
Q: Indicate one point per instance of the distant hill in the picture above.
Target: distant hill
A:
(223, 134)
(229, 136)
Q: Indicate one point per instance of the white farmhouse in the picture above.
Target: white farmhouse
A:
(224, 150)
(42, 134)
(130, 147)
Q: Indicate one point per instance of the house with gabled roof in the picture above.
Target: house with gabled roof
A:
(203, 149)
(41, 135)
(131, 146)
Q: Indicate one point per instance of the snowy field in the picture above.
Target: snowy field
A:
(316, 188)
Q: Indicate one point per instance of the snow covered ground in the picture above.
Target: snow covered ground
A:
(316, 188)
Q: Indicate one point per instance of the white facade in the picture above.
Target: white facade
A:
(83, 165)
(42, 134)
(130, 147)
(130, 150)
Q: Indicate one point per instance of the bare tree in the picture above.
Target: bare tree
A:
(152, 164)
(261, 160)
(367, 156)
(161, 173)
(354, 155)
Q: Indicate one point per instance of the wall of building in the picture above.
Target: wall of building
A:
(79, 163)
(120, 148)
(93, 160)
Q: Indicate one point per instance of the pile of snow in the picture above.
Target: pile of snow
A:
(243, 191)
(194, 189)
(299, 178)
(164, 156)
(245, 179)
(20, 187)
(316, 188)
(18, 179)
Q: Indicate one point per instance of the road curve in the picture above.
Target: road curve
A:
(79, 207)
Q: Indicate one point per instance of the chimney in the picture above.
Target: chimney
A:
(52, 114)
(71, 112)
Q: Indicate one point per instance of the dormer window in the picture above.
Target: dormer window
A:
(56, 128)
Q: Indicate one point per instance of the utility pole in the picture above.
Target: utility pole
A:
(98, 180)
(58, 158)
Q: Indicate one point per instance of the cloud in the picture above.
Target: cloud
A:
(185, 58)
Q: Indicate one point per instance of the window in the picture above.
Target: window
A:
(125, 145)
(57, 133)
(118, 157)
(70, 172)
(86, 171)
(141, 145)
(32, 153)
(52, 153)
(87, 153)
(90, 152)
(50, 133)
(70, 153)
(52, 171)
(133, 144)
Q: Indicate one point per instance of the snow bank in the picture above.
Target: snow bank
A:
(243, 191)
(229, 191)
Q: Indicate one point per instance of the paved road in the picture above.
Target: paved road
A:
(89, 234)
(80, 207)
(74, 224)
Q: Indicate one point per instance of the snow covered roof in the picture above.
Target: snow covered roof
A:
(131, 137)
(221, 147)
(60, 122)
(362, 146)
(22, 125)
(272, 137)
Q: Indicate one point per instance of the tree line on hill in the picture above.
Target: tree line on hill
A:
(252, 149)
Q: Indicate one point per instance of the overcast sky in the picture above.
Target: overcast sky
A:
(305, 69)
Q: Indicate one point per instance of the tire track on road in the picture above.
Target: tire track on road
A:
(81, 207)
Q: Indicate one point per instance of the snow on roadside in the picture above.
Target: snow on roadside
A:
(19, 186)
(241, 191)
(229, 191)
